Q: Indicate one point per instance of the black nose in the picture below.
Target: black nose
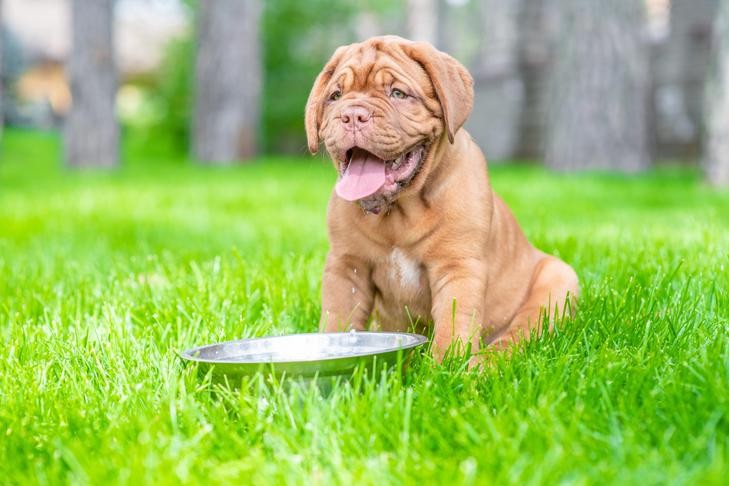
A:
(355, 117)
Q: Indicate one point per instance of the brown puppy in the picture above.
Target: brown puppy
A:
(417, 234)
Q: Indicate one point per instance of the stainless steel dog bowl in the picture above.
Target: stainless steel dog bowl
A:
(304, 355)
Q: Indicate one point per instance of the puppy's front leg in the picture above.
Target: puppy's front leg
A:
(347, 294)
(457, 288)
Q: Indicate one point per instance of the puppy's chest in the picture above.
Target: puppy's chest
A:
(401, 278)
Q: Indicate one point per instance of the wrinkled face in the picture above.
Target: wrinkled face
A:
(378, 114)
(379, 118)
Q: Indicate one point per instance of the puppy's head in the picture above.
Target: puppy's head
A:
(380, 107)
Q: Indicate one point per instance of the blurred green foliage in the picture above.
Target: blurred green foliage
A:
(161, 125)
(297, 39)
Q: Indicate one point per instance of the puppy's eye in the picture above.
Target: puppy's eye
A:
(399, 94)
(335, 96)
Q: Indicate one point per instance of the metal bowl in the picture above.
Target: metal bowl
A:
(304, 355)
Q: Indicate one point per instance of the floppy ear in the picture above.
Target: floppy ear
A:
(312, 114)
(452, 82)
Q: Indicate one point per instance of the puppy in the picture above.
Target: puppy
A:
(417, 234)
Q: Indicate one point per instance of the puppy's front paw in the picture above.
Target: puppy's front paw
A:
(455, 349)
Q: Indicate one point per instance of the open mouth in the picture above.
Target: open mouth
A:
(370, 179)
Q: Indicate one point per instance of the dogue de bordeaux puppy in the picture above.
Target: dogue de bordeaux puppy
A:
(417, 234)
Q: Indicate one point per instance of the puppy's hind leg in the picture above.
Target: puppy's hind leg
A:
(553, 291)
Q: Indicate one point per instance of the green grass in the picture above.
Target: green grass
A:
(103, 277)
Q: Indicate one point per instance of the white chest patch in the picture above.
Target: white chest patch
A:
(404, 269)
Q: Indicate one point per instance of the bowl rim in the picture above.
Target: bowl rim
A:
(189, 354)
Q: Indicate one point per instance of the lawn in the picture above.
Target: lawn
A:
(103, 277)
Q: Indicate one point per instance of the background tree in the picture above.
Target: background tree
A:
(228, 73)
(91, 135)
(716, 149)
(422, 20)
(499, 88)
(680, 64)
(536, 38)
(597, 115)
(367, 24)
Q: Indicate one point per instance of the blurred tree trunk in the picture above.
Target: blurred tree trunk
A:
(680, 66)
(367, 24)
(716, 148)
(228, 81)
(536, 53)
(422, 20)
(599, 87)
(91, 129)
(499, 88)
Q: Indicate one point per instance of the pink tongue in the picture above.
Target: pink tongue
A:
(363, 177)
